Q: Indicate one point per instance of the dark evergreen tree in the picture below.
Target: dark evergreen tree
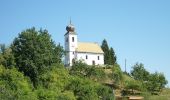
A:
(35, 52)
(109, 54)
(106, 51)
(113, 56)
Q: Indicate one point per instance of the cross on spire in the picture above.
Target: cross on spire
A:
(70, 20)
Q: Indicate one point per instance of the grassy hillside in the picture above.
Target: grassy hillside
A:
(164, 95)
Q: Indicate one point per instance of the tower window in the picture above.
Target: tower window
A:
(86, 57)
(72, 39)
(98, 57)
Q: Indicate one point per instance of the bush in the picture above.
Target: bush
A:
(14, 85)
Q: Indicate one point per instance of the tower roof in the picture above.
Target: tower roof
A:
(70, 27)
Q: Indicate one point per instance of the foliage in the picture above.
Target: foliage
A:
(153, 82)
(85, 89)
(156, 82)
(35, 52)
(84, 70)
(67, 95)
(133, 85)
(13, 85)
(96, 74)
(139, 72)
(6, 56)
(113, 57)
(57, 78)
(79, 68)
(117, 74)
(109, 54)
(105, 93)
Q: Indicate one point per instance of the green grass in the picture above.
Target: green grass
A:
(164, 95)
(127, 78)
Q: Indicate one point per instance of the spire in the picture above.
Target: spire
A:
(70, 27)
(70, 20)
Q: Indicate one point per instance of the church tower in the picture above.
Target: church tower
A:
(70, 44)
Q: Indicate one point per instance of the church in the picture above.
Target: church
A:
(87, 52)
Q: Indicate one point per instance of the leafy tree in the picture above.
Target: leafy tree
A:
(79, 69)
(35, 52)
(67, 95)
(84, 70)
(138, 72)
(156, 82)
(85, 89)
(117, 74)
(14, 86)
(95, 73)
(6, 57)
(56, 78)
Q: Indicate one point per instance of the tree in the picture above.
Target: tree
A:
(14, 85)
(106, 51)
(153, 82)
(138, 72)
(35, 52)
(113, 57)
(84, 70)
(85, 89)
(109, 54)
(156, 82)
(6, 56)
(79, 69)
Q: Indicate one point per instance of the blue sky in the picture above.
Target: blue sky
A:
(138, 30)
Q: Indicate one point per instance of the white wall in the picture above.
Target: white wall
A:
(91, 57)
(70, 47)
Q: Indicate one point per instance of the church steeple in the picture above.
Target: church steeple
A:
(70, 44)
(70, 27)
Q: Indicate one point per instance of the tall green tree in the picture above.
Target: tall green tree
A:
(35, 52)
(105, 49)
(113, 57)
(109, 54)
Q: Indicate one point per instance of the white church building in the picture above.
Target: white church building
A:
(87, 52)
